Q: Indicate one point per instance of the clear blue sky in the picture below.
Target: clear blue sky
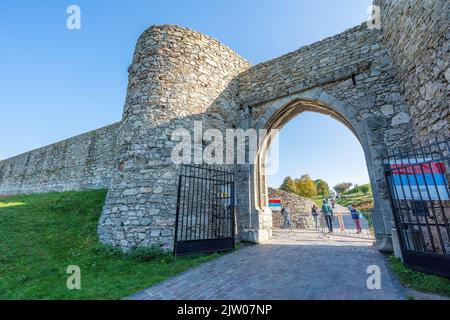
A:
(322, 147)
(56, 83)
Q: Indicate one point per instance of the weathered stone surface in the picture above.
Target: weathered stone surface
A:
(178, 76)
(429, 91)
(400, 118)
(387, 110)
(416, 34)
(447, 75)
(86, 161)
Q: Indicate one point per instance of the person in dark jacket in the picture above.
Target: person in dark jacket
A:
(315, 214)
(287, 217)
(328, 214)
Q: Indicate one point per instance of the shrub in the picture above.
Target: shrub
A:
(146, 254)
(289, 185)
(322, 188)
(107, 251)
(140, 254)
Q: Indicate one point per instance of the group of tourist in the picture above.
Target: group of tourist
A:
(328, 207)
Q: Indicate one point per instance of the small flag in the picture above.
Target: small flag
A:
(413, 180)
(275, 204)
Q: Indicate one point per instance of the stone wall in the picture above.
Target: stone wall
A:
(353, 66)
(350, 77)
(178, 76)
(417, 35)
(82, 162)
(387, 86)
(298, 206)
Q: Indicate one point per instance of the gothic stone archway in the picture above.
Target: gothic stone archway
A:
(277, 114)
(179, 76)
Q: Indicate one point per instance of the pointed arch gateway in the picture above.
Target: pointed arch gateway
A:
(278, 113)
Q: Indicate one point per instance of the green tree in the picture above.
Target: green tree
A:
(306, 187)
(322, 187)
(289, 185)
(364, 188)
(342, 187)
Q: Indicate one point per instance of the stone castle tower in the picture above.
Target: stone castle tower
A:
(388, 85)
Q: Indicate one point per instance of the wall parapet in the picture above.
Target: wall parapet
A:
(82, 162)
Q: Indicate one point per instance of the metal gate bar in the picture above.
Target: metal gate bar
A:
(417, 178)
(205, 217)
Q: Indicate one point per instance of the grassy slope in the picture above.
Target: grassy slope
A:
(318, 200)
(356, 198)
(420, 281)
(41, 235)
(363, 202)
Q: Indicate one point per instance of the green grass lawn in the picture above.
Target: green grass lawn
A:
(41, 235)
(420, 281)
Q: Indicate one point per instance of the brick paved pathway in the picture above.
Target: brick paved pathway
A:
(295, 265)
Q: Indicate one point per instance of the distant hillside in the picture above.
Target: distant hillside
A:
(297, 206)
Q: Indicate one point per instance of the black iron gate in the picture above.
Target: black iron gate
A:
(205, 220)
(418, 180)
